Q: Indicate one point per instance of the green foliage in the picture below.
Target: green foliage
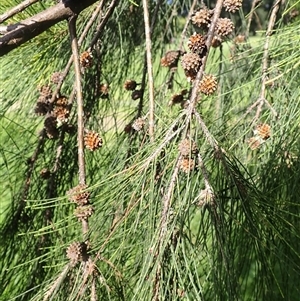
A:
(227, 230)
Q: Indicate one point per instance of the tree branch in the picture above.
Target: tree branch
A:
(27, 29)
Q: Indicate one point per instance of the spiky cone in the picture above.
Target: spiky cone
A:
(56, 77)
(224, 27)
(263, 130)
(232, 5)
(255, 142)
(92, 140)
(138, 124)
(86, 59)
(61, 113)
(202, 17)
(191, 63)
(45, 93)
(171, 59)
(197, 44)
(208, 85)
(187, 165)
(104, 91)
(61, 101)
(76, 252)
(187, 147)
(130, 85)
(83, 213)
(50, 125)
(79, 195)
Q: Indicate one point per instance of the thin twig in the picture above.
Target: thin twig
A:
(265, 64)
(183, 33)
(15, 10)
(104, 21)
(150, 70)
(253, 7)
(80, 111)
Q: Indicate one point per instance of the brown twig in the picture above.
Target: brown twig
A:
(80, 111)
(149, 69)
(253, 7)
(35, 25)
(15, 10)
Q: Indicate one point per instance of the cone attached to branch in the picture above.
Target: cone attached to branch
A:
(92, 140)
(197, 44)
(202, 17)
(208, 84)
(191, 63)
(232, 5)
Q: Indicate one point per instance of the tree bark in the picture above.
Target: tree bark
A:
(27, 29)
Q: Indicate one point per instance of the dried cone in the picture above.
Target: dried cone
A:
(79, 195)
(42, 108)
(264, 131)
(191, 63)
(171, 59)
(232, 5)
(197, 44)
(104, 91)
(254, 142)
(61, 113)
(138, 124)
(187, 165)
(187, 147)
(84, 212)
(61, 101)
(202, 17)
(86, 59)
(224, 27)
(176, 99)
(50, 125)
(130, 85)
(45, 93)
(136, 94)
(208, 84)
(75, 252)
(56, 77)
(216, 42)
(92, 140)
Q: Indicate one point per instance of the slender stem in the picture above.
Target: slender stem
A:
(253, 7)
(17, 9)
(150, 69)
(80, 112)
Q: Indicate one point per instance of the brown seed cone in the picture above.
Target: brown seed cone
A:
(254, 142)
(61, 101)
(232, 5)
(79, 195)
(138, 124)
(216, 42)
(42, 108)
(86, 59)
(208, 85)
(76, 252)
(176, 99)
(202, 17)
(224, 27)
(171, 59)
(61, 113)
(187, 147)
(50, 125)
(191, 63)
(104, 91)
(264, 131)
(92, 140)
(130, 85)
(56, 77)
(45, 93)
(187, 165)
(197, 44)
(136, 94)
(84, 212)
